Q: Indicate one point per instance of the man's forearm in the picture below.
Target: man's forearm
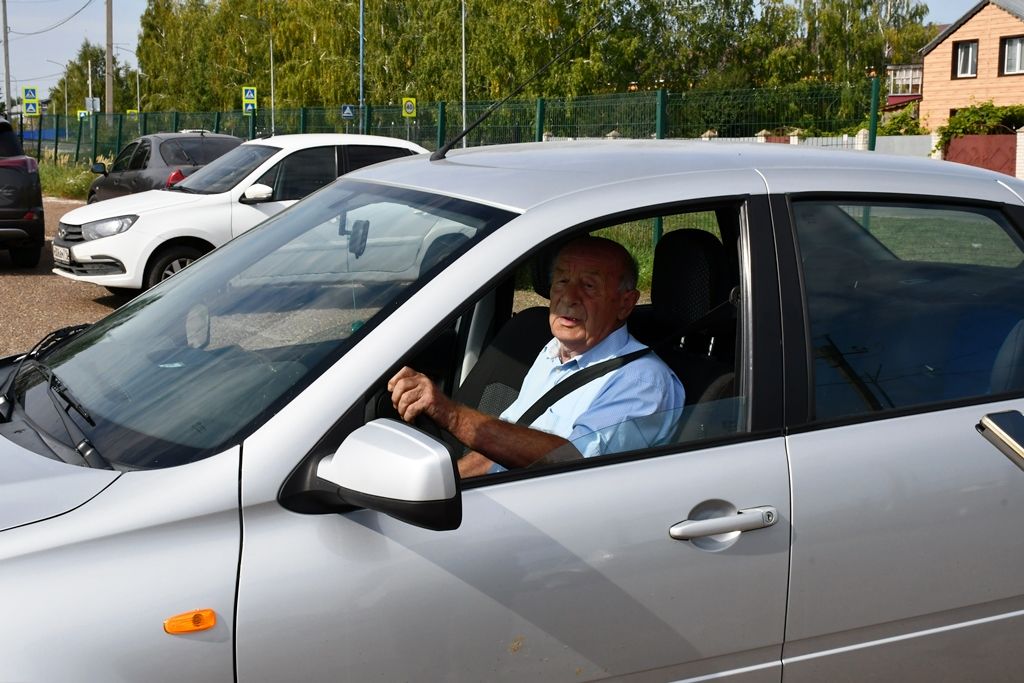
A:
(509, 445)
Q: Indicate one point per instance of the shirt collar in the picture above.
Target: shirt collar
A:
(608, 347)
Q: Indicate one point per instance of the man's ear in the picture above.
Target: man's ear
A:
(627, 302)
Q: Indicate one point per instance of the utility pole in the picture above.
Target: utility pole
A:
(7, 65)
(109, 76)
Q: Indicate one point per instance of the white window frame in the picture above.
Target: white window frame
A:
(1014, 46)
(971, 46)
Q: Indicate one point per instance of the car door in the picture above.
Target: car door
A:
(908, 549)
(570, 573)
(112, 185)
(134, 178)
(298, 174)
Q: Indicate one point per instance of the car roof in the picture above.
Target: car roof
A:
(177, 136)
(302, 140)
(520, 176)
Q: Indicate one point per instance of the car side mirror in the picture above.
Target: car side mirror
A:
(387, 466)
(99, 168)
(257, 193)
(357, 240)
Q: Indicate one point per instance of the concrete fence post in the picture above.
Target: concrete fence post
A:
(936, 152)
(860, 143)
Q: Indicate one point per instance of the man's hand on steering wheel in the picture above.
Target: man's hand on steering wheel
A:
(415, 396)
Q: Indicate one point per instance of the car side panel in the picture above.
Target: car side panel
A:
(907, 552)
(86, 593)
(565, 577)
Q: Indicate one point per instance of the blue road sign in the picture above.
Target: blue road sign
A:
(30, 94)
(31, 108)
(249, 107)
(348, 111)
(250, 94)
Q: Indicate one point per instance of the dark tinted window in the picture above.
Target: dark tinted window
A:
(140, 157)
(302, 173)
(124, 157)
(365, 155)
(195, 151)
(910, 304)
(224, 172)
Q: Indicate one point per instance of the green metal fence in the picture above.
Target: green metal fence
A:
(822, 110)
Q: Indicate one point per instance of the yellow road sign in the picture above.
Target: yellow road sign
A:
(409, 107)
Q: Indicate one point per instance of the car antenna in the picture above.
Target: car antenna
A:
(441, 153)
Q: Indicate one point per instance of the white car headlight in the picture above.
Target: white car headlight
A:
(107, 227)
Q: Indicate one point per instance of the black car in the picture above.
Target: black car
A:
(21, 201)
(157, 161)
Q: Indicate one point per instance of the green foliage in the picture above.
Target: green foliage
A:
(982, 119)
(73, 87)
(905, 122)
(65, 178)
(198, 54)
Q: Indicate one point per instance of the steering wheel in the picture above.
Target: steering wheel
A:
(382, 407)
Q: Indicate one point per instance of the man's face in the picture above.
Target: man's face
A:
(586, 302)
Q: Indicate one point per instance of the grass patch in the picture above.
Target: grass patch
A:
(66, 179)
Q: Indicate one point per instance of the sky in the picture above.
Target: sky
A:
(32, 57)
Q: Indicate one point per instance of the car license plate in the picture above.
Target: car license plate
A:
(62, 254)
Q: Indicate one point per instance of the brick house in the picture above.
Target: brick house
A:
(977, 58)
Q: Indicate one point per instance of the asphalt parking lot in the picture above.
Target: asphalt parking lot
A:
(37, 301)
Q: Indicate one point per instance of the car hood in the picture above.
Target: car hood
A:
(34, 487)
(142, 202)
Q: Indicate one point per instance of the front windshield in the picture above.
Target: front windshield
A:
(194, 365)
(224, 172)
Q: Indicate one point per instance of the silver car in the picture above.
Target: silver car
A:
(211, 483)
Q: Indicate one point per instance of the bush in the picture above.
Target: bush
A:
(982, 119)
(65, 178)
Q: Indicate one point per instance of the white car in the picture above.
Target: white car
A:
(134, 242)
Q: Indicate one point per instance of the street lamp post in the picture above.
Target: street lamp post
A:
(270, 32)
(362, 105)
(464, 123)
(65, 65)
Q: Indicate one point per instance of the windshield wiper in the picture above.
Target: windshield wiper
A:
(56, 390)
(41, 348)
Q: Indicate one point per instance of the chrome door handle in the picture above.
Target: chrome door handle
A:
(744, 520)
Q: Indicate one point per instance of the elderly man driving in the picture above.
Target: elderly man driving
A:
(593, 291)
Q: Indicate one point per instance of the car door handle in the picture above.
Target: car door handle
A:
(744, 520)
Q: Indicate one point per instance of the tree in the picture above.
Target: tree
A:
(73, 87)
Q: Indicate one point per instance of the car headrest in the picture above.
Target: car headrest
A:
(689, 276)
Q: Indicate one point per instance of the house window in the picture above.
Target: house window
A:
(1013, 55)
(965, 55)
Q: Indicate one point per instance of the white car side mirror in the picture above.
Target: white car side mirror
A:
(257, 193)
(396, 469)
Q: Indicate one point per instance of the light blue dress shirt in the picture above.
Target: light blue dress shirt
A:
(635, 406)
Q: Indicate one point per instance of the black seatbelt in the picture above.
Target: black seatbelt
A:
(574, 382)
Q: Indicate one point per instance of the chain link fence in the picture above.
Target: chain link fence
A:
(821, 114)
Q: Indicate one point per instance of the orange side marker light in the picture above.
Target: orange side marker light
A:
(190, 622)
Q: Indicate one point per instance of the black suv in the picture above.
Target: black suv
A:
(157, 161)
(21, 201)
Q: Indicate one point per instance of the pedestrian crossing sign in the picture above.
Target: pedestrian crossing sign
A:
(248, 99)
(31, 109)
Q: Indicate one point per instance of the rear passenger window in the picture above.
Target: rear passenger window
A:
(365, 155)
(909, 304)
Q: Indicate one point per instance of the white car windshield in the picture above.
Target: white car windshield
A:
(194, 365)
(224, 172)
